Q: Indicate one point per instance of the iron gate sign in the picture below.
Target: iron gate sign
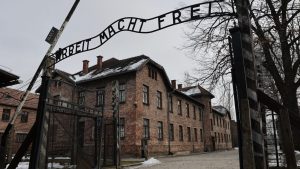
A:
(139, 25)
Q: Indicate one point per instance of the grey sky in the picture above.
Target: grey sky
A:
(25, 25)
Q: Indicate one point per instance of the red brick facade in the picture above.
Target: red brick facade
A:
(147, 111)
(9, 100)
(221, 128)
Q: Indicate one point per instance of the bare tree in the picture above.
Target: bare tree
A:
(275, 26)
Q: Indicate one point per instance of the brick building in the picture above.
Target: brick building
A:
(172, 119)
(221, 128)
(9, 100)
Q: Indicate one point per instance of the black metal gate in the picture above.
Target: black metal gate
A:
(75, 127)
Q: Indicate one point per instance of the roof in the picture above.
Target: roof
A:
(7, 78)
(11, 97)
(221, 110)
(114, 67)
(111, 67)
(177, 92)
(196, 91)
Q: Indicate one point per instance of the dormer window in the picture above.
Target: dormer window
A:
(152, 72)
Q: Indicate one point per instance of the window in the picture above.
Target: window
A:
(171, 134)
(189, 134)
(195, 135)
(214, 117)
(57, 83)
(24, 117)
(219, 138)
(222, 137)
(122, 94)
(180, 133)
(194, 112)
(211, 124)
(56, 100)
(145, 94)
(179, 107)
(201, 135)
(146, 129)
(158, 100)
(122, 128)
(152, 73)
(200, 114)
(6, 115)
(170, 101)
(100, 98)
(187, 108)
(20, 137)
(160, 130)
(81, 98)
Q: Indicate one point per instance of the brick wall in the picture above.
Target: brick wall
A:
(222, 131)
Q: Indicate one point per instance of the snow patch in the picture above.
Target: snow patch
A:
(25, 165)
(236, 148)
(192, 91)
(108, 71)
(150, 162)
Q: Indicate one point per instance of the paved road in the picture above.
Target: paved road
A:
(214, 160)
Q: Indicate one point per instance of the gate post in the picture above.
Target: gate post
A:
(38, 155)
(250, 118)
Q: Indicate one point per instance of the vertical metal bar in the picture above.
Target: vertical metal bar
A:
(105, 145)
(275, 138)
(168, 122)
(40, 118)
(100, 121)
(96, 141)
(236, 101)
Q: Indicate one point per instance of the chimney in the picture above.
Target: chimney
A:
(173, 82)
(99, 62)
(179, 86)
(85, 67)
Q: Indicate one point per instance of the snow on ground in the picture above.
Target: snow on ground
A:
(150, 162)
(25, 165)
(297, 154)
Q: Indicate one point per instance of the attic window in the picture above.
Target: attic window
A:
(57, 83)
(152, 72)
(7, 96)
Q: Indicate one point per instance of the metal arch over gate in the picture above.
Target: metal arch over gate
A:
(139, 25)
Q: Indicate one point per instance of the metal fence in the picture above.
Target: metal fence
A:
(273, 141)
(75, 127)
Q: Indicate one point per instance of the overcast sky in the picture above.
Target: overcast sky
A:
(25, 25)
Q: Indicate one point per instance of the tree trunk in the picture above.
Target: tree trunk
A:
(289, 99)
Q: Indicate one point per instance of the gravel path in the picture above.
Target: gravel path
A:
(212, 160)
